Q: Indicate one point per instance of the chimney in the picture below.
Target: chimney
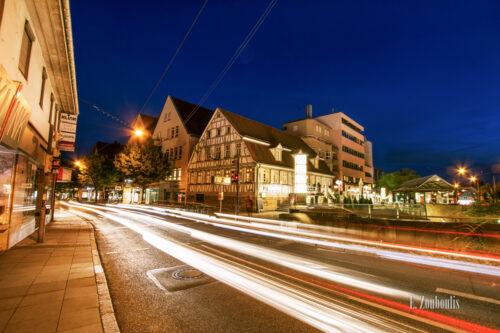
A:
(309, 111)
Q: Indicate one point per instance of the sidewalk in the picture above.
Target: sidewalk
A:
(58, 285)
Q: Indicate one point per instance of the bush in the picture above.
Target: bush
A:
(483, 208)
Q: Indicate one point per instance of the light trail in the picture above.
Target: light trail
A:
(305, 307)
(399, 256)
(316, 312)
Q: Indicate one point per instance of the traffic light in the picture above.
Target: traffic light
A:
(234, 178)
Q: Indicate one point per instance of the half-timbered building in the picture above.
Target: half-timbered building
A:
(272, 165)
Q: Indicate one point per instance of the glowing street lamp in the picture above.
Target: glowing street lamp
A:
(462, 171)
(78, 163)
(138, 132)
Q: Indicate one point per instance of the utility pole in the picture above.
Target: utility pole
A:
(238, 185)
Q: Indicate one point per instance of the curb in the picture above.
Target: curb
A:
(108, 318)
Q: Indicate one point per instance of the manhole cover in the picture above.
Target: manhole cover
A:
(187, 274)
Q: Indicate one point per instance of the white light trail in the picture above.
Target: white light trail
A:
(399, 256)
(315, 311)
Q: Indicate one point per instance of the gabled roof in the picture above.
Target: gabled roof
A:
(149, 122)
(428, 183)
(195, 122)
(261, 154)
(109, 150)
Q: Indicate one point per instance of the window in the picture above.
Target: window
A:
(250, 175)
(42, 90)
(175, 153)
(283, 177)
(238, 149)
(51, 108)
(217, 131)
(265, 175)
(176, 131)
(275, 176)
(26, 45)
(180, 152)
(351, 165)
(217, 153)
(353, 152)
(327, 155)
(228, 130)
(352, 138)
(208, 134)
(227, 152)
(171, 153)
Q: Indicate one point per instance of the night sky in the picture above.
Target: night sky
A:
(422, 77)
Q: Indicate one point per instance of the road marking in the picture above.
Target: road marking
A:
(154, 279)
(458, 293)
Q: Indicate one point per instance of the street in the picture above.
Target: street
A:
(255, 281)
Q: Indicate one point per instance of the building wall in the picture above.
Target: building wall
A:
(170, 122)
(14, 17)
(29, 159)
(339, 132)
(317, 135)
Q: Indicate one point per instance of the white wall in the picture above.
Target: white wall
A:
(11, 33)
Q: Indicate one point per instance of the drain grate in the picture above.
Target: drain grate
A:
(187, 274)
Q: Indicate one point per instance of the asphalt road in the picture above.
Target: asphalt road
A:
(263, 283)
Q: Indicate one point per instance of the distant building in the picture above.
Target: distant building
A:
(429, 189)
(146, 124)
(108, 150)
(350, 156)
(37, 86)
(178, 129)
(273, 165)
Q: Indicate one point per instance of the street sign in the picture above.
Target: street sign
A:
(227, 181)
(220, 196)
(67, 128)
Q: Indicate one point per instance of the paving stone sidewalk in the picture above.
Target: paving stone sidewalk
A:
(58, 285)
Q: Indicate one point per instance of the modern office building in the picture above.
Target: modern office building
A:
(350, 157)
(38, 109)
(259, 165)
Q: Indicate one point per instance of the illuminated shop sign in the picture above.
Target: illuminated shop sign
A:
(300, 173)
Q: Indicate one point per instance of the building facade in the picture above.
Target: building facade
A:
(351, 153)
(37, 85)
(271, 166)
(178, 130)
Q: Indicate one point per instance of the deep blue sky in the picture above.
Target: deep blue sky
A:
(422, 77)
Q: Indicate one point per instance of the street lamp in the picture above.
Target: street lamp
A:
(138, 132)
(462, 171)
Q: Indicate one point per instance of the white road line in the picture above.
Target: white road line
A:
(458, 293)
(154, 279)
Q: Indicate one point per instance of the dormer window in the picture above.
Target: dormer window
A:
(277, 152)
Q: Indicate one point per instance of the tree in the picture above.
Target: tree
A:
(143, 162)
(97, 171)
(392, 180)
